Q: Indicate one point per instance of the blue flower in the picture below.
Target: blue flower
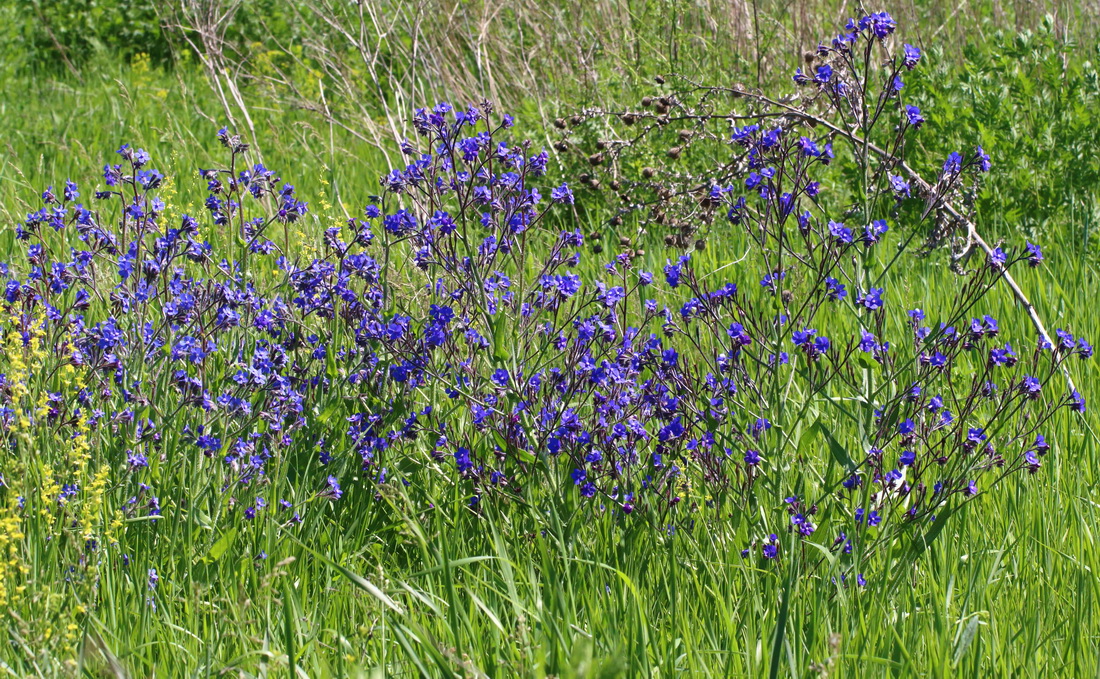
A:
(981, 159)
(840, 232)
(881, 24)
(899, 186)
(674, 271)
(911, 56)
(913, 115)
(1031, 387)
(874, 231)
(871, 300)
(333, 491)
(1034, 254)
(1077, 402)
(562, 194)
(808, 147)
(743, 135)
(953, 164)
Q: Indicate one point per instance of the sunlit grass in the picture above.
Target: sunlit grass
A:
(410, 581)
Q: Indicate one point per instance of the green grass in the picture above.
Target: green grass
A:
(410, 582)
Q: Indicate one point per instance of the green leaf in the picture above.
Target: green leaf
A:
(922, 542)
(967, 638)
(220, 547)
(328, 412)
(330, 365)
(835, 449)
(500, 335)
(356, 579)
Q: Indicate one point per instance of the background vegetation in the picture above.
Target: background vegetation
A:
(1011, 591)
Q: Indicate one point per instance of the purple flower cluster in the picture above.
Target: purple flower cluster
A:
(452, 325)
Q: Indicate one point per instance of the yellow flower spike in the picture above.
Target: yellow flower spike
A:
(115, 527)
(49, 491)
(43, 408)
(11, 535)
(93, 502)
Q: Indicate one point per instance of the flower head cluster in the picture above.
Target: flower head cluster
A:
(454, 325)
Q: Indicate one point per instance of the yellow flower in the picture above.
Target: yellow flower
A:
(11, 566)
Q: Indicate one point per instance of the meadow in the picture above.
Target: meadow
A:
(517, 422)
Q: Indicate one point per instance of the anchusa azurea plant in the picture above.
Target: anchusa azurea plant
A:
(453, 334)
(817, 189)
